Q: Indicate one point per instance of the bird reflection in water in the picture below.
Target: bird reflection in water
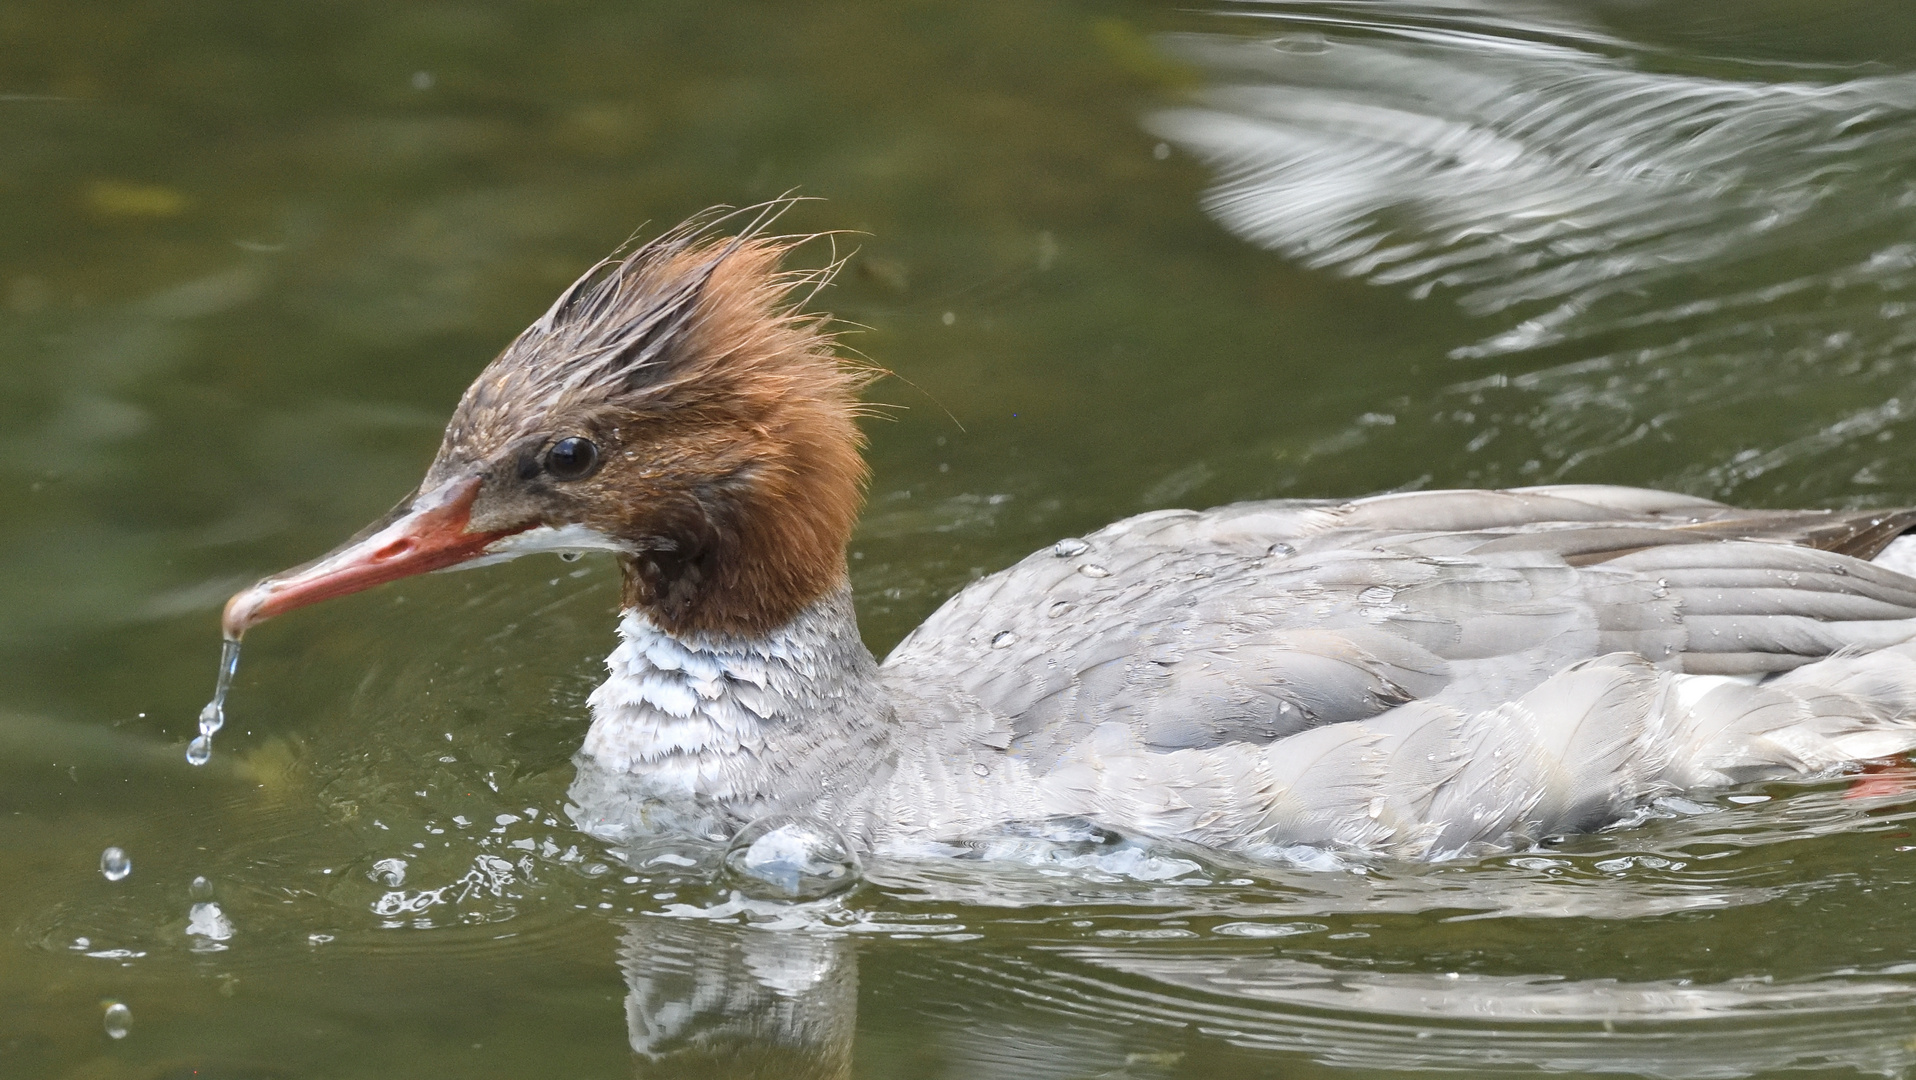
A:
(716, 1000)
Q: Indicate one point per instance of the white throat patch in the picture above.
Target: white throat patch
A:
(790, 720)
(672, 706)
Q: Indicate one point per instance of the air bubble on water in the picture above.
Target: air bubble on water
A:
(389, 872)
(791, 857)
(1281, 550)
(1093, 570)
(1066, 548)
(570, 556)
(200, 889)
(1003, 639)
(114, 864)
(119, 1020)
(1377, 594)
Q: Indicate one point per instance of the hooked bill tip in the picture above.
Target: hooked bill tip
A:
(242, 610)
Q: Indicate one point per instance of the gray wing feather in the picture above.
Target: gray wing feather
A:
(1472, 511)
(1590, 743)
(1244, 629)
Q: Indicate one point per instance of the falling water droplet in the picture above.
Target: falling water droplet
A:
(119, 1020)
(1004, 639)
(114, 864)
(1066, 548)
(213, 717)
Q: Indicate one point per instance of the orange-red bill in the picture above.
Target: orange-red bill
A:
(429, 534)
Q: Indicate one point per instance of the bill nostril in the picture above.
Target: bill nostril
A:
(394, 549)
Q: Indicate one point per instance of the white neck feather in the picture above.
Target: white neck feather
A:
(741, 725)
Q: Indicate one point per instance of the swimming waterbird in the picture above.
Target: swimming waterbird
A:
(1419, 674)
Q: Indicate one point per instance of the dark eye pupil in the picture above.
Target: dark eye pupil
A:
(570, 459)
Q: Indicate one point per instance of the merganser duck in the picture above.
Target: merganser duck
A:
(1420, 674)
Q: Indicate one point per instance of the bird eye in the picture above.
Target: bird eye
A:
(572, 458)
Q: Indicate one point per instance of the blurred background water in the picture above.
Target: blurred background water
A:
(1120, 256)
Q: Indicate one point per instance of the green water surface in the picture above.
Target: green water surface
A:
(1120, 256)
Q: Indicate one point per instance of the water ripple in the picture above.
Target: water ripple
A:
(1654, 249)
(1372, 1019)
(1513, 164)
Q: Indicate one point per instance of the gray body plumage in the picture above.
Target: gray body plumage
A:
(1420, 674)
